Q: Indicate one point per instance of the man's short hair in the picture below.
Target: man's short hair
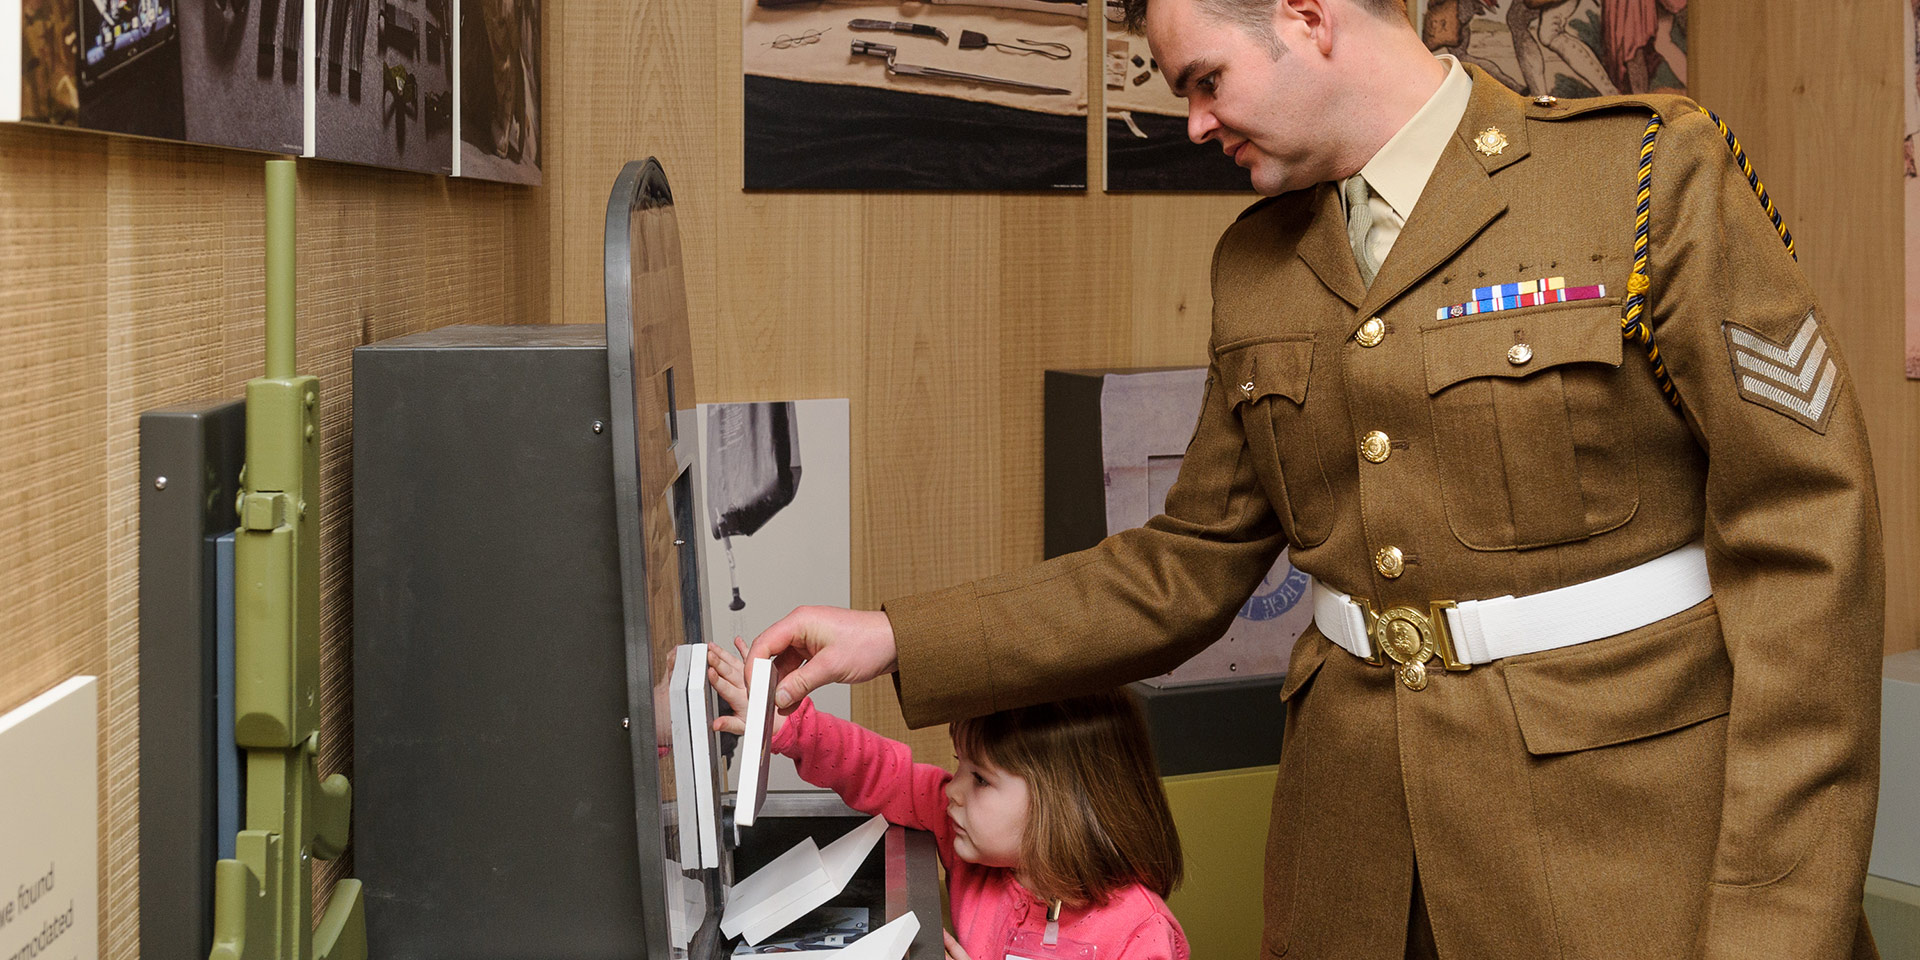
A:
(1252, 15)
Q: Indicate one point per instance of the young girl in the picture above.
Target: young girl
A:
(1053, 806)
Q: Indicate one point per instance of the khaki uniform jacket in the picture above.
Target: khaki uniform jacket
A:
(1703, 786)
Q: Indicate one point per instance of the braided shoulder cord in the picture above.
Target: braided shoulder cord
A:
(1759, 189)
(1633, 325)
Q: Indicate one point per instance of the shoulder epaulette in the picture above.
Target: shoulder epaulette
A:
(1663, 105)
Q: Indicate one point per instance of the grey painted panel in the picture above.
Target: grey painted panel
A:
(493, 792)
(197, 450)
(1896, 840)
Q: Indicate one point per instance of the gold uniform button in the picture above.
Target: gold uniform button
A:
(1246, 390)
(1372, 332)
(1519, 354)
(1389, 562)
(1374, 447)
(1546, 101)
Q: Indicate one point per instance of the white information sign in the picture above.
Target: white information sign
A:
(49, 826)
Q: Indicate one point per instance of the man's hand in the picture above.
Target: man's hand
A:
(815, 646)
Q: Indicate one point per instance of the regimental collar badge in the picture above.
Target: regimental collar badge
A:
(1490, 141)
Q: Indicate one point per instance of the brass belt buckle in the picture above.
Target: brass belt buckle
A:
(1410, 638)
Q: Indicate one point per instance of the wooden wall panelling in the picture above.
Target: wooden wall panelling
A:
(1170, 255)
(165, 307)
(931, 417)
(1064, 288)
(53, 421)
(1814, 94)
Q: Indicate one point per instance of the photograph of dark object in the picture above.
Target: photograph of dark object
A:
(500, 90)
(768, 542)
(378, 73)
(49, 63)
(1147, 144)
(240, 85)
(115, 33)
(129, 67)
(753, 470)
(871, 94)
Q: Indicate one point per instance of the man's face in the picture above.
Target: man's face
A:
(1259, 108)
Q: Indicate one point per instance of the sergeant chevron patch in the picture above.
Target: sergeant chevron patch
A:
(1796, 378)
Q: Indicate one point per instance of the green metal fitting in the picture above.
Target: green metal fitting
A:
(263, 898)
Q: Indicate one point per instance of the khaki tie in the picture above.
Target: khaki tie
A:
(1359, 224)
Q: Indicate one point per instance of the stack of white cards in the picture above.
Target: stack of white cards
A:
(796, 882)
(755, 747)
(694, 770)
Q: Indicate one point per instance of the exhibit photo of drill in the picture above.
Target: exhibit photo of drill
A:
(753, 472)
(263, 897)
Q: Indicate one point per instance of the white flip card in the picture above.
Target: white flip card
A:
(754, 747)
(887, 943)
(791, 876)
(706, 771)
(686, 807)
(796, 882)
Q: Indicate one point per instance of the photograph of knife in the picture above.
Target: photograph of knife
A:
(1060, 8)
(899, 26)
(883, 51)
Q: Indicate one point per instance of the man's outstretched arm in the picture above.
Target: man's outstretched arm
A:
(1135, 605)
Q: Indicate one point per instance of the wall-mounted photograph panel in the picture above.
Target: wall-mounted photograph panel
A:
(383, 83)
(499, 90)
(778, 527)
(938, 95)
(241, 73)
(1565, 48)
(363, 81)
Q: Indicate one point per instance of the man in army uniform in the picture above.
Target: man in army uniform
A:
(1597, 632)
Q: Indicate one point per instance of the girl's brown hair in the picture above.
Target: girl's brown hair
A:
(1097, 818)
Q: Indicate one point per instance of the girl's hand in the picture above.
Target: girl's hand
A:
(954, 952)
(727, 674)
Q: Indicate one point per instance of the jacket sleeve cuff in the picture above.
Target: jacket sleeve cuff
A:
(945, 661)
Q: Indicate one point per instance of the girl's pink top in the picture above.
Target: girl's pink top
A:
(876, 775)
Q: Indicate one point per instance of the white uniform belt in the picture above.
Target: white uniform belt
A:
(1483, 631)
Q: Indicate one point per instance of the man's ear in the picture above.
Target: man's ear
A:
(1314, 18)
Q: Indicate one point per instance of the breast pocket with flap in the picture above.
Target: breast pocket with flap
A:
(1530, 451)
(1268, 378)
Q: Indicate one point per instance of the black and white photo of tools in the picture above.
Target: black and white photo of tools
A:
(898, 26)
(887, 52)
(977, 95)
(378, 65)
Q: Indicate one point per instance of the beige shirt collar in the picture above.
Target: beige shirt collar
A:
(1399, 172)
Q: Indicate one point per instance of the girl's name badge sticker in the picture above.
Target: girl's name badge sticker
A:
(1028, 945)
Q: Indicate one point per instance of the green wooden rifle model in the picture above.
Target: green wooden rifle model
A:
(263, 899)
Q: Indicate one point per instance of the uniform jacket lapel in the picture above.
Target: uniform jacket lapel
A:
(1460, 199)
(1326, 250)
